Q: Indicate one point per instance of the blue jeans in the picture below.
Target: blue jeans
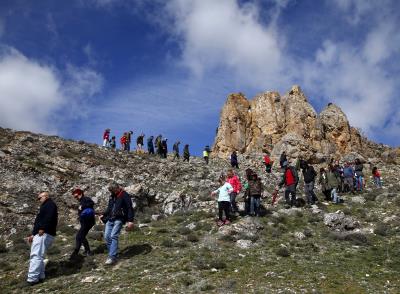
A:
(359, 183)
(255, 205)
(335, 196)
(378, 182)
(39, 246)
(111, 235)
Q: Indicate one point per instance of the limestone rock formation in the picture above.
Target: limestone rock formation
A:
(289, 123)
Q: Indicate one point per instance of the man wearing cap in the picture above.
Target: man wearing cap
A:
(118, 212)
(87, 220)
(43, 233)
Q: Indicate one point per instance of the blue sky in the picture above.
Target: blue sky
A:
(74, 68)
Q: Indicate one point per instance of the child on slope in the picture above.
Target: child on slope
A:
(224, 203)
(377, 177)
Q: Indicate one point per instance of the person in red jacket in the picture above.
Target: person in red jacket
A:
(106, 138)
(237, 187)
(268, 163)
(123, 142)
(290, 180)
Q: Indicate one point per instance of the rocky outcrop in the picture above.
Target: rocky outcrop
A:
(290, 124)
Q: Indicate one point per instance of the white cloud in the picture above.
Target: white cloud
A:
(35, 96)
(224, 34)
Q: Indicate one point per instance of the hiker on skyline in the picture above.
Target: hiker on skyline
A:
(150, 145)
(140, 142)
(206, 153)
(164, 148)
(186, 153)
(106, 138)
(43, 233)
(113, 144)
(175, 148)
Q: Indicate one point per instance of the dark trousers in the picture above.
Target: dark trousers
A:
(86, 224)
(224, 206)
(206, 159)
(290, 190)
(234, 207)
(235, 164)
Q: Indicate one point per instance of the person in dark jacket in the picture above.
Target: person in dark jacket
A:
(43, 233)
(254, 190)
(164, 148)
(309, 175)
(234, 160)
(283, 158)
(359, 175)
(119, 211)
(150, 145)
(186, 153)
(290, 180)
(175, 148)
(86, 219)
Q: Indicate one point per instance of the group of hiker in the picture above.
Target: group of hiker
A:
(333, 180)
(119, 211)
(158, 146)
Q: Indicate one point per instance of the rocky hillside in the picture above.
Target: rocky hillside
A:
(176, 246)
(276, 123)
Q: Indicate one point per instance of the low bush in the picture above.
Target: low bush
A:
(184, 231)
(382, 229)
(192, 238)
(283, 252)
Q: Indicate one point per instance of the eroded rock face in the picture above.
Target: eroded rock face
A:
(290, 124)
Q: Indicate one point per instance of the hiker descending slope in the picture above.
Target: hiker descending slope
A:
(223, 201)
(254, 190)
(118, 212)
(175, 148)
(237, 186)
(43, 233)
(290, 180)
(234, 160)
(86, 219)
(309, 175)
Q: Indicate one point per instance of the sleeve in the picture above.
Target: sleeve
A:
(128, 202)
(107, 211)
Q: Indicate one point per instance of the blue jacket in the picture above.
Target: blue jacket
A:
(348, 172)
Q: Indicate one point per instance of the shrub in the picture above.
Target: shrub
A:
(187, 281)
(244, 236)
(227, 238)
(192, 238)
(307, 232)
(162, 230)
(181, 244)
(382, 229)
(201, 263)
(283, 252)
(167, 243)
(371, 196)
(3, 248)
(218, 264)
(184, 231)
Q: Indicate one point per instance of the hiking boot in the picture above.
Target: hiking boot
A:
(88, 253)
(220, 223)
(74, 255)
(110, 261)
(227, 222)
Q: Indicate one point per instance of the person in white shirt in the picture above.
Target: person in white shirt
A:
(224, 203)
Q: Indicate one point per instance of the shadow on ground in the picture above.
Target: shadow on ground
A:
(133, 250)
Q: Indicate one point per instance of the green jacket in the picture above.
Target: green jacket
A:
(332, 180)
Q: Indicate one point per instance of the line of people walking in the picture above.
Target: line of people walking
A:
(158, 145)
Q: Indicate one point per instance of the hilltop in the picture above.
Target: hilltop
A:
(176, 246)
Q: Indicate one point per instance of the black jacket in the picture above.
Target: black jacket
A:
(46, 219)
(309, 174)
(85, 202)
(119, 208)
